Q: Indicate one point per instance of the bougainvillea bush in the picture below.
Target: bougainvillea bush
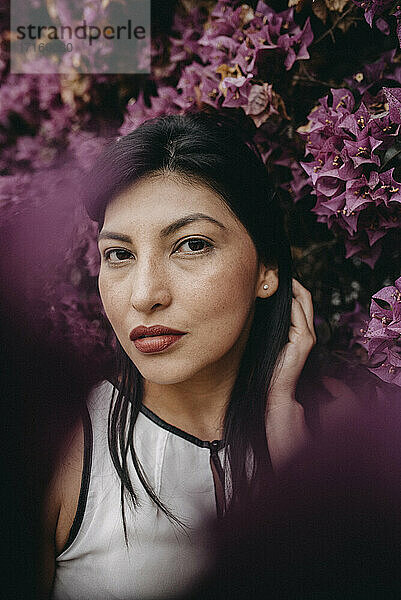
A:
(317, 85)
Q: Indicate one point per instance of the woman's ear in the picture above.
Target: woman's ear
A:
(267, 283)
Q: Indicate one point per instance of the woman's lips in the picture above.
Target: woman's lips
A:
(156, 343)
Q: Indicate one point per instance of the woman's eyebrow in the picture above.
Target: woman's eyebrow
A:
(173, 227)
(166, 231)
(111, 235)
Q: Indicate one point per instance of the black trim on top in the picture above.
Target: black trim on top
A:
(219, 483)
(86, 471)
(216, 444)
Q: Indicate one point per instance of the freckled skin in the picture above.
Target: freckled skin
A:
(209, 294)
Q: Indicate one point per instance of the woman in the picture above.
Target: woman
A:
(212, 335)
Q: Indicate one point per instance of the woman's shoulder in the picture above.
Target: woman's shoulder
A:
(67, 482)
(60, 503)
(65, 485)
(99, 398)
(62, 493)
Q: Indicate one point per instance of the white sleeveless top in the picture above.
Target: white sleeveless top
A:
(162, 560)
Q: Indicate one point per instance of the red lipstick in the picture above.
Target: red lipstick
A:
(155, 338)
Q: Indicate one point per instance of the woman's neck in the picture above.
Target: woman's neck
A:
(197, 405)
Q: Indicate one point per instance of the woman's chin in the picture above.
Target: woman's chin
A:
(163, 378)
(163, 375)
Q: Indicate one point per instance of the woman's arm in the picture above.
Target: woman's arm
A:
(286, 430)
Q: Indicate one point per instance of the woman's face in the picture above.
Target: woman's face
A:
(174, 255)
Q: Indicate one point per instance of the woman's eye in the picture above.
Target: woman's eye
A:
(194, 245)
(117, 255)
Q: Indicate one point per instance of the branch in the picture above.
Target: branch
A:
(330, 31)
(315, 247)
(312, 81)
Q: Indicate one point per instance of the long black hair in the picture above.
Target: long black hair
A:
(206, 147)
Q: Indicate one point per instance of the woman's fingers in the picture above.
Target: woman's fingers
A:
(301, 339)
(299, 324)
(304, 299)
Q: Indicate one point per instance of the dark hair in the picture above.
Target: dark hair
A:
(206, 147)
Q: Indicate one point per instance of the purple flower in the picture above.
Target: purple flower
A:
(388, 191)
(383, 334)
(230, 44)
(393, 96)
(189, 84)
(382, 11)
(260, 105)
(356, 323)
(189, 29)
(85, 147)
(280, 31)
(211, 91)
(239, 35)
(138, 111)
(246, 58)
(361, 151)
(373, 8)
(372, 73)
(397, 15)
(357, 246)
(236, 90)
(165, 101)
(354, 196)
(298, 185)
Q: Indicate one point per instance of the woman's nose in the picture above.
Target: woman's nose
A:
(150, 288)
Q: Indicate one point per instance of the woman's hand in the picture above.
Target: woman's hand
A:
(286, 430)
(302, 338)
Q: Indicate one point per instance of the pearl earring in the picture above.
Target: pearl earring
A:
(265, 286)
